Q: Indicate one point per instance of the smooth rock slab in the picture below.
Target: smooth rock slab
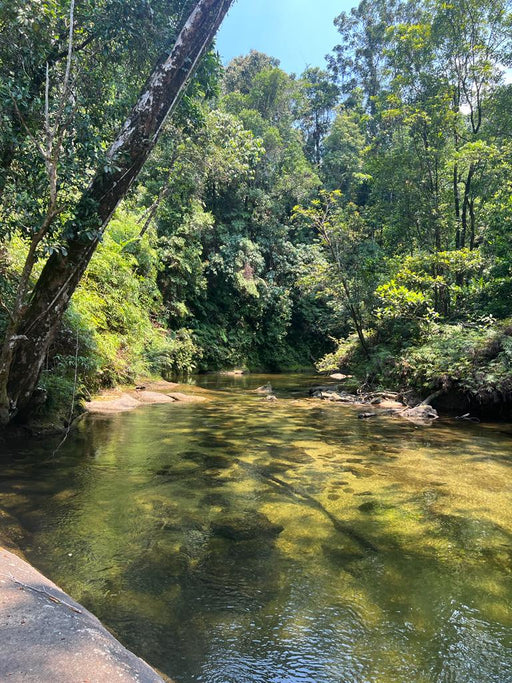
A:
(47, 637)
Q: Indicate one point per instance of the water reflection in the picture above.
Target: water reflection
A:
(245, 541)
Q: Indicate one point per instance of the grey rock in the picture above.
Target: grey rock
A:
(47, 637)
(421, 412)
(265, 389)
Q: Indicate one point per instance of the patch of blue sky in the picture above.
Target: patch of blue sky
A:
(300, 33)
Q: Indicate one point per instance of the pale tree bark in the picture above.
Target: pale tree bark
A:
(125, 159)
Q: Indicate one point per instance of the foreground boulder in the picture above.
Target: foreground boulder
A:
(47, 637)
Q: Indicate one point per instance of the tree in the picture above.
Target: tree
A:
(342, 160)
(34, 41)
(34, 320)
(241, 71)
(341, 232)
(320, 96)
(359, 61)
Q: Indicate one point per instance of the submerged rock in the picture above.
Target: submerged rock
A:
(246, 527)
(298, 455)
(340, 556)
(186, 398)
(369, 506)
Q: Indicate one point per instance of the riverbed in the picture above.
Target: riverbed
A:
(241, 540)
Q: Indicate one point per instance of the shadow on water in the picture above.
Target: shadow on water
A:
(245, 541)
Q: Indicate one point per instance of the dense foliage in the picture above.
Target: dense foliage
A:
(359, 217)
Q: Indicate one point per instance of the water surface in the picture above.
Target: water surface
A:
(247, 541)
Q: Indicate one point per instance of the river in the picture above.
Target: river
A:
(247, 541)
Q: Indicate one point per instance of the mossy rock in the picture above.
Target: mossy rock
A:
(369, 507)
(340, 556)
(246, 527)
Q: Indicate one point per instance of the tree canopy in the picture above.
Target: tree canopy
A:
(354, 217)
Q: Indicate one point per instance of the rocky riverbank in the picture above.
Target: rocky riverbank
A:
(377, 403)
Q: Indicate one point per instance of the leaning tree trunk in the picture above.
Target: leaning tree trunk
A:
(126, 156)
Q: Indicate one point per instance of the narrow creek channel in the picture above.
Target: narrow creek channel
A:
(247, 541)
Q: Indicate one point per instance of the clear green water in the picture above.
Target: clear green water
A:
(394, 563)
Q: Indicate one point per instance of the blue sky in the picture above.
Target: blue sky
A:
(298, 32)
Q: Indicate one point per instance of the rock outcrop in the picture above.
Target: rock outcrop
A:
(47, 637)
(120, 401)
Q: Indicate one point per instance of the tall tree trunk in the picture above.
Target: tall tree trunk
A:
(125, 158)
(472, 222)
(466, 204)
(456, 200)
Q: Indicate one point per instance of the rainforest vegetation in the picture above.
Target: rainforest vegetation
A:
(356, 217)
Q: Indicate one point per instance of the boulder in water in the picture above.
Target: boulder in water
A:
(265, 389)
(422, 414)
(318, 389)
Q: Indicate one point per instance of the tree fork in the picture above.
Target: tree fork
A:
(125, 159)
